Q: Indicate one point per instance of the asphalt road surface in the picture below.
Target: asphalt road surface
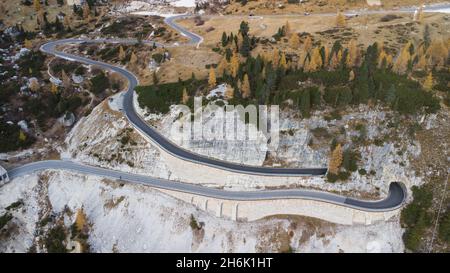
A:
(394, 200)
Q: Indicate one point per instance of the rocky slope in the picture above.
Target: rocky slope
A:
(130, 218)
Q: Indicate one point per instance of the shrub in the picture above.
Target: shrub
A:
(444, 227)
(10, 139)
(158, 57)
(194, 224)
(343, 176)
(8, 90)
(350, 160)
(54, 240)
(415, 217)
(159, 98)
(320, 132)
(378, 142)
(338, 96)
(125, 139)
(4, 219)
(31, 64)
(99, 83)
(15, 205)
(331, 177)
(80, 70)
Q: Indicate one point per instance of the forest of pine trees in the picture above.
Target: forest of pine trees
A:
(337, 76)
(346, 75)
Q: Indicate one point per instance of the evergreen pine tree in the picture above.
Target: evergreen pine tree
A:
(224, 39)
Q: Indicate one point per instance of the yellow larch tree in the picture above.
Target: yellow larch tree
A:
(438, 52)
(54, 88)
(22, 136)
(326, 61)
(287, 29)
(428, 83)
(133, 59)
(389, 60)
(212, 77)
(352, 55)
(229, 92)
(301, 59)
(122, 54)
(234, 65)
(283, 62)
(421, 63)
(307, 44)
(275, 57)
(335, 160)
(34, 85)
(37, 5)
(294, 41)
(80, 219)
(245, 88)
(316, 60)
(222, 66)
(381, 57)
(401, 64)
(266, 57)
(28, 44)
(339, 56)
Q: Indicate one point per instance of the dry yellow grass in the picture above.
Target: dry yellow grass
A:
(363, 27)
(313, 6)
(184, 62)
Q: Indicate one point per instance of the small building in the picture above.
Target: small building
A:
(4, 178)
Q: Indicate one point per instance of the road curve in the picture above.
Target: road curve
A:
(152, 133)
(394, 200)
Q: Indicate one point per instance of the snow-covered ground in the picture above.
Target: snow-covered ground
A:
(23, 226)
(134, 218)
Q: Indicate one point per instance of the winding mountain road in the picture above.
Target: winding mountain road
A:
(394, 200)
(139, 124)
